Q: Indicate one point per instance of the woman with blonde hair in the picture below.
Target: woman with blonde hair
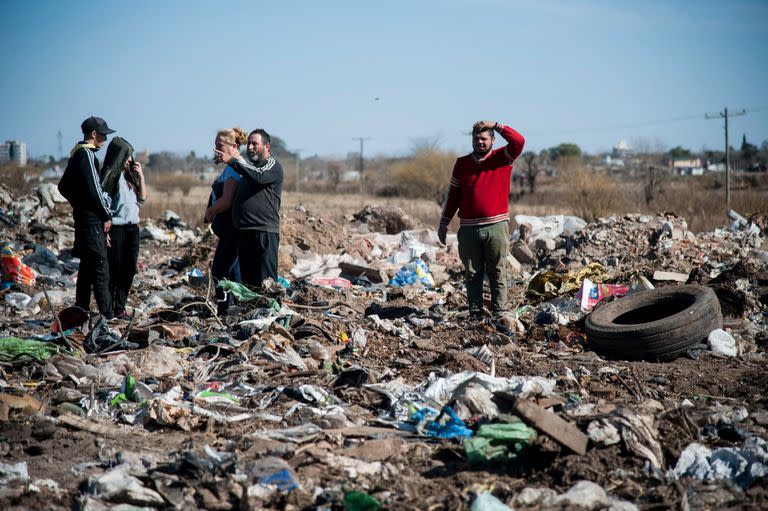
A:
(225, 263)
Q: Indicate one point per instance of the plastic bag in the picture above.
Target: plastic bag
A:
(13, 348)
(14, 270)
(550, 227)
(498, 442)
(413, 272)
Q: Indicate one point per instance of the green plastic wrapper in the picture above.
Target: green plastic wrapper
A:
(16, 349)
(498, 442)
(126, 391)
(359, 501)
(243, 294)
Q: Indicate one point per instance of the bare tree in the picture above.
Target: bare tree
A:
(334, 174)
(531, 170)
(420, 144)
(648, 166)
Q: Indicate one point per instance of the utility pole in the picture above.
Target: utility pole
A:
(362, 177)
(724, 115)
(297, 152)
(58, 137)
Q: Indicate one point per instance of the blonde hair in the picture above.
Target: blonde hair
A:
(235, 136)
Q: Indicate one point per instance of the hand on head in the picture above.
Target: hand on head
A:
(484, 125)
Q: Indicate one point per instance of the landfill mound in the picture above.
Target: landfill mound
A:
(359, 382)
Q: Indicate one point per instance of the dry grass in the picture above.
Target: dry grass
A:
(591, 194)
(19, 180)
(425, 175)
(701, 200)
(170, 182)
(581, 192)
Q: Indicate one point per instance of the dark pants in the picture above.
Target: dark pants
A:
(483, 249)
(123, 256)
(91, 248)
(225, 266)
(257, 252)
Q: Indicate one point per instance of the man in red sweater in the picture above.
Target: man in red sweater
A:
(480, 192)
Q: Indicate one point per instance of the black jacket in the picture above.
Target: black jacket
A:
(257, 203)
(81, 186)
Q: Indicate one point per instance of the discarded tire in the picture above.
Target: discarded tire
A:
(658, 324)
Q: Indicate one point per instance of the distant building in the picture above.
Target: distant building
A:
(621, 150)
(13, 151)
(612, 161)
(687, 166)
(716, 167)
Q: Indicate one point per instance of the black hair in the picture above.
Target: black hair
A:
(491, 130)
(264, 135)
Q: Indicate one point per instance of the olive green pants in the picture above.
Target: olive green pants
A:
(483, 249)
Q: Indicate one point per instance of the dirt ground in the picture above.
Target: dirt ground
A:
(402, 469)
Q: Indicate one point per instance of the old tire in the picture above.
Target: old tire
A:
(658, 324)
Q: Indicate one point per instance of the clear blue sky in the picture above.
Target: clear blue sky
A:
(168, 74)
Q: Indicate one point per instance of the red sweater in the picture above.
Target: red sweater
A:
(480, 189)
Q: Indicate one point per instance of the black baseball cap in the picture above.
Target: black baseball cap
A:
(96, 124)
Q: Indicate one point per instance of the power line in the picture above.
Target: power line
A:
(641, 124)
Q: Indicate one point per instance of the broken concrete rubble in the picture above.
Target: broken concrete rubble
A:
(306, 394)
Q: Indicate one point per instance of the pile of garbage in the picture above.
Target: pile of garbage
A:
(358, 381)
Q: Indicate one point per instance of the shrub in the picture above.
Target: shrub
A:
(19, 180)
(592, 194)
(426, 174)
(170, 182)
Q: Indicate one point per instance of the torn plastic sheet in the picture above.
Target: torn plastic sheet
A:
(299, 434)
(333, 415)
(168, 409)
(741, 465)
(285, 355)
(447, 389)
(635, 429)
(311, 394)
(396, 327)
(403, 398)
(264, 322)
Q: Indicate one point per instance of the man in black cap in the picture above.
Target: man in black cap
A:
(91, 209)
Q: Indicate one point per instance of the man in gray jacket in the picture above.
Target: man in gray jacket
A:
(256, 209)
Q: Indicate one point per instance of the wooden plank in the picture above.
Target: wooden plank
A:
(670, 276)
(563, 432)
(87, 425)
